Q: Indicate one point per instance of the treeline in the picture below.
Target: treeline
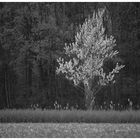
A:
(32, 37)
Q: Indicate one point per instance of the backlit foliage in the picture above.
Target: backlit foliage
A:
(87, 54)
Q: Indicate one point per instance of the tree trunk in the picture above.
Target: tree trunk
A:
(30, 79)
(90, 93)
(41, 75)
(88, 97)
(6, 90)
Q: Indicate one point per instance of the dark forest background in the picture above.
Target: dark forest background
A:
(32, 37)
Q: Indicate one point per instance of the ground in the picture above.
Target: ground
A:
(70, 130)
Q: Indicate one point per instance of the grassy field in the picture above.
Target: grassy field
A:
(65, 116)
(69, 130)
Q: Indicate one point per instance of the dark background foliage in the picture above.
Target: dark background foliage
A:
(32, 37)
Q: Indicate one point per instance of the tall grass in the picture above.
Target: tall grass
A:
(65, 116)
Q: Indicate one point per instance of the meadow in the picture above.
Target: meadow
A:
(68, 116)
(69, 130)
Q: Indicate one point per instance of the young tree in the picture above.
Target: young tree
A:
(84, 58)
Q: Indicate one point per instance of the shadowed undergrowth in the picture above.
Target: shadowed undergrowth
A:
(65, 116)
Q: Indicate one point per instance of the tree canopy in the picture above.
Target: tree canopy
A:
(34, 35)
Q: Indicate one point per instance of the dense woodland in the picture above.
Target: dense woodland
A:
(32, 37)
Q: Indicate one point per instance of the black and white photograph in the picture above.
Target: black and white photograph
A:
(69, 69)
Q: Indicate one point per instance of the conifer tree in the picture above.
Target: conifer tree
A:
(84, 59)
